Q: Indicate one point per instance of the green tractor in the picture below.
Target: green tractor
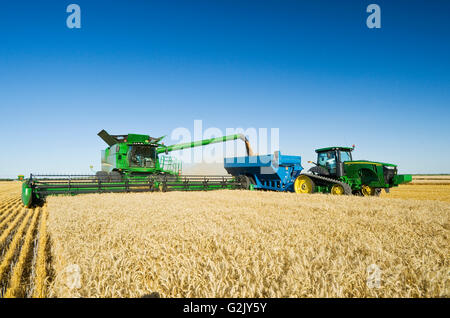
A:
(336, 172)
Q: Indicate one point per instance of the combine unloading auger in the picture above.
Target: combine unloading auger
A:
(132, 163)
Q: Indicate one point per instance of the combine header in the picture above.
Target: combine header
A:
(132, 163)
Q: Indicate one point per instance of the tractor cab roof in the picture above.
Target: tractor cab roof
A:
(334, 148)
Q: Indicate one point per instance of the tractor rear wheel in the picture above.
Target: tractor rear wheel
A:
(367, 191)
(304, 184)
(337, 189)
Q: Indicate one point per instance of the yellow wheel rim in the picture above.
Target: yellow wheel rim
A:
(367, 191)
(303, 184)
(337, 189)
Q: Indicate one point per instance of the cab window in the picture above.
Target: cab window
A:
(346, 156)
(142, 156)
(324, 157)
(327, 159)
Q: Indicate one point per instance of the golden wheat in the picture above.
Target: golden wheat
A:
(7, 203)
(248, 244)
(16, 287)
(41, 264)
(12, 225)
(17, 270)
(439, 192)
(13, 245)
(11, 214)
(230, 244)
(9, 189)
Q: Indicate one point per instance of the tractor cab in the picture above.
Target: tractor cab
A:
(330, 160)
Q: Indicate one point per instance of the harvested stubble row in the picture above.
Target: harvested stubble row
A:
(41, 263)
(11, 226)
(13, 246)
(17, 288)
(248, 244)
(7, 204)
(23, 241)
(4, 219)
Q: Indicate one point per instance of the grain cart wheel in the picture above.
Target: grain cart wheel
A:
(337, 189)
(245, 182)
(367, 191)
(304, 184)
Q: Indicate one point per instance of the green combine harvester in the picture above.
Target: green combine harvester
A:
(132, 163)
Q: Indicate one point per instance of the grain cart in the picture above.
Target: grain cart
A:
(275, 172)
(131, 163)
(335, 172)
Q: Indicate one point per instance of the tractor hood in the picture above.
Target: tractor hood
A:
(367, 162)
(386, 173)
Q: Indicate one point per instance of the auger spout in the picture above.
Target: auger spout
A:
(204, 142)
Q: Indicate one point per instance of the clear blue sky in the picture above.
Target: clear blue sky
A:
(311, 68)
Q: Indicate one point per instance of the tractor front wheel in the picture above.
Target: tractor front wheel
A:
(304, 184)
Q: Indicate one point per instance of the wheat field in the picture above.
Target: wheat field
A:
(438, 192)
(430, 179)
(249, 244)
(226, 244)
(23, 245)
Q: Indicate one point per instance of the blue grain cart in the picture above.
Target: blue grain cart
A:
(275, 172)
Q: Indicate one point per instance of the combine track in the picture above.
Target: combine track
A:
(23, 249)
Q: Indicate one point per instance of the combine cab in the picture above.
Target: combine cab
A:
(131, 163)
